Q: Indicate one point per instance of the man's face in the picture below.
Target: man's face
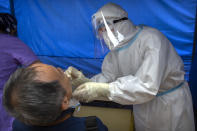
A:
(48, 73)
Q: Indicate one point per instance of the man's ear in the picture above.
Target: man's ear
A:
(65, 103)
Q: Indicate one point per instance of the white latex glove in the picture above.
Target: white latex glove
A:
(92, 91)
(76, 76)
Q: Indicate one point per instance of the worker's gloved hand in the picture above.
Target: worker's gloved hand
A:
(92, 91)
(76, 76)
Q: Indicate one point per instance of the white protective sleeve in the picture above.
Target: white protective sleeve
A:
(144, 84)
(109, 70)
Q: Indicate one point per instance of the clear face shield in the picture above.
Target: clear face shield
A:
(106, 32)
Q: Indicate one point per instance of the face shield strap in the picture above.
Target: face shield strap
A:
(119, 20)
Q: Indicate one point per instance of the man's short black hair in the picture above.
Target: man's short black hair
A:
(32, 101)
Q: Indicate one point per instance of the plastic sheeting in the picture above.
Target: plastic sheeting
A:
(60, 32)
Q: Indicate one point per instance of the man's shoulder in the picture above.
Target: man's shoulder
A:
(82, 123)
(19, 126)
(71, 124)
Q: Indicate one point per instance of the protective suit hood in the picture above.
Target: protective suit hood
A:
(110, 10)
(118, 28)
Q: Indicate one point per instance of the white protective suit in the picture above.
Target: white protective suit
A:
(144, 65)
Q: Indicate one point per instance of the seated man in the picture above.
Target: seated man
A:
(38, 97)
